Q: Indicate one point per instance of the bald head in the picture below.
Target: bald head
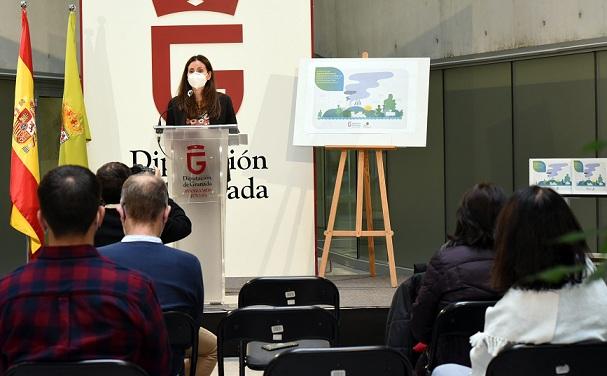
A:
(144, 198)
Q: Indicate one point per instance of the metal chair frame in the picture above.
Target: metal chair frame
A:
(549, 360)
(96, 367)
(183, 332)
(350, 361)
(272, 325)
(290, 291)
(461, 319)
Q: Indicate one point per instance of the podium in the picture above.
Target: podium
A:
(197, 164)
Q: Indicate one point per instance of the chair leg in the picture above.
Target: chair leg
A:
(220, 371)
(241, 359)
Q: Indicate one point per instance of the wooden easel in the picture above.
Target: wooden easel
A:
(363, 188)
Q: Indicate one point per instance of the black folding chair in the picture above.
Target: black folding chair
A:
(257, 326)
(452, 329)
(551, 360)
(98, 367)
(350, 361)
(183, 334)
(290, 291)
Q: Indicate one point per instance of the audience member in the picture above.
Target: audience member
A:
(459, 271)
(71, 304)
(536, 309)
(143, 211)
(111, 177)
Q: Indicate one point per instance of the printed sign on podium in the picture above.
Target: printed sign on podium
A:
(197, 181)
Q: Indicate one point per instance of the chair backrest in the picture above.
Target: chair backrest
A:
(98, 367)
(551, 360)
(289, 291)
(183, 333)
(345, 361)
(274, 324)
(452, 329)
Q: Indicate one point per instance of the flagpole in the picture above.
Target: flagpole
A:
(27, 240)
(28, 251)
(75, 130)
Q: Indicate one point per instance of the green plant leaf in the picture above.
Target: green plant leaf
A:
(595, 145)
(556, 274)
(574, 237)
(578, 166)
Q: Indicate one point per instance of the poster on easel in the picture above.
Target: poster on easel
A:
(362, 102)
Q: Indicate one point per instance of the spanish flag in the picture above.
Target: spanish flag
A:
(25, 174)
(75, 127)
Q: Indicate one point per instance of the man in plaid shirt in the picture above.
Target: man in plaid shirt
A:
(72, 304)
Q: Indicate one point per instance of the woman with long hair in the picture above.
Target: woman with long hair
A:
(461, 269)
(535, 309)
(198, 102)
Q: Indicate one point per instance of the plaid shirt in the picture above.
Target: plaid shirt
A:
(72, 304)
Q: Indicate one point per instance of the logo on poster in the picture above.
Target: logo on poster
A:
(195, 158)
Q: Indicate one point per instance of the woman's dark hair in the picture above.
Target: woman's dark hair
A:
(476, 216)
(528, 241)
(187, 103)
(111, 176)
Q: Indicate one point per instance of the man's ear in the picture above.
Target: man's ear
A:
(165, 215)
(100, 215)
(42, 221)
(121, 212)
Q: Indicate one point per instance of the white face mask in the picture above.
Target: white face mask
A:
(197, 80)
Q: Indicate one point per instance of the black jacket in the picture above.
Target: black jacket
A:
(398, 323)
(454, 274)
(178, 226)
(175, 116)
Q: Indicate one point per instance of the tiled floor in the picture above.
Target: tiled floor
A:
(231, 369)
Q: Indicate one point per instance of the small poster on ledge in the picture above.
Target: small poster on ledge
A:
(551, 173)
(577, 176)
(589, 176)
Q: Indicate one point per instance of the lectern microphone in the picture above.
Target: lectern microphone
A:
(159, 130)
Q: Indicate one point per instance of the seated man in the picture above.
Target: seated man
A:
(111, 177)
(71, 304)
(177, 275)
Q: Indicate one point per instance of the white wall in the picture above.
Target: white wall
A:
(271, 235)
(446, 28)
(48, 26)
(343, 28)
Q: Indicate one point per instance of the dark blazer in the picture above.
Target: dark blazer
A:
(178, 226)
(176, 274)
(176, 116)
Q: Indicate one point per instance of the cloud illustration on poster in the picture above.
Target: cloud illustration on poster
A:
(364, 81)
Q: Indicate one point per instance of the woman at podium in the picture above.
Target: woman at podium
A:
(197, 101)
